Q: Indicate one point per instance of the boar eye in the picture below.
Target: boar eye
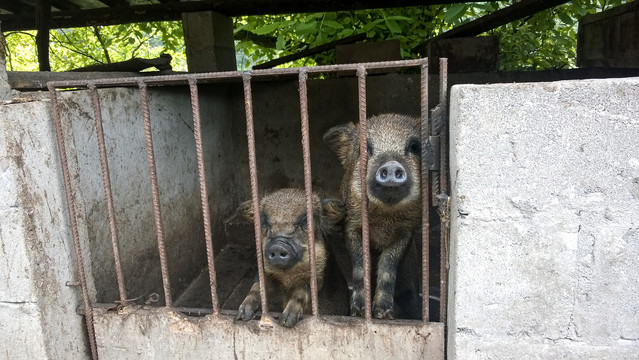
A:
(264, 222)
(301, 222)
(369, 148)
(413, 147)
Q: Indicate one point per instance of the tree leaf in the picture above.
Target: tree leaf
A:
(454, 12)
(266, 29)
(281, 43)
(399, 18)
(332, 24)
(565, 18)
(393, 27)
(306, 28)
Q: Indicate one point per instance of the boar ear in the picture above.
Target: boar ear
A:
(342, 140)
(333, 212)
(244, 212)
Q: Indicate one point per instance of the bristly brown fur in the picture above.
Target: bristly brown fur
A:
(282, 211)
(392, 225)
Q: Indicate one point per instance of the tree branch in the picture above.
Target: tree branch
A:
(74, 49)
(96, 32)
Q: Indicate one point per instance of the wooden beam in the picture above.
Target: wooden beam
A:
(261, 40)
(112, 3)
(43, 13)
(63, 5)
(173, 11)
(16, 7)
(495, 19)
(162, 63)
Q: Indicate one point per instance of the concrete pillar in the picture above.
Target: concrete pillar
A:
(5, 89)
(37, 301)
(209, 42)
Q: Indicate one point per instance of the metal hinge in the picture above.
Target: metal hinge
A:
(432, 153)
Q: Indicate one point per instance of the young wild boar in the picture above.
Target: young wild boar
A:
(394, 206)
(286, 256)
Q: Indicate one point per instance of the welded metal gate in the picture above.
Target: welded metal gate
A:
(434, 177)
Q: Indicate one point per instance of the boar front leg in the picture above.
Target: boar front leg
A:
(298, 301)
(354, 247)
(387, 266)
(250, 304)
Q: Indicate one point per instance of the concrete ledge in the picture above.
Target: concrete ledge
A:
(163, 334)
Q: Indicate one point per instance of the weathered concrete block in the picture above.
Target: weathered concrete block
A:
(37, 309)
(545, 230)
(5, 87)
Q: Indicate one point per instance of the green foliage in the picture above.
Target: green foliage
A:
(298, 32)
(78, 47)
(546, 40)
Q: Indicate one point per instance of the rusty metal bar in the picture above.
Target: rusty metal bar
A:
(57, 123)
(95, 100)
(237, 75)
(308, 186)
(425, 132)
(201, 171)
(250, 136)
(443, 100)
(302, 73)
(363, 165)
(443, 181)
(144, 103)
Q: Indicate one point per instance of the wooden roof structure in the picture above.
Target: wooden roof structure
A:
(25, 14)
(17, 15)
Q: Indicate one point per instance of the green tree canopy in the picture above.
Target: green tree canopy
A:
(546, 40)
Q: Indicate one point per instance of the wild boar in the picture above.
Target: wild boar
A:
(286, 256)
(394, 207)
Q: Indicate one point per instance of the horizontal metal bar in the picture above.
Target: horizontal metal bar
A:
(341, 319)
(183, 79)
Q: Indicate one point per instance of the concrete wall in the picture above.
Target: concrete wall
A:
(545, 221)
(37, 308)
(174, 149)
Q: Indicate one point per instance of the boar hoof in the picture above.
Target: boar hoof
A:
(379, 313)
(247, 311)
(383, 308)
(290, 317)
(357, 305)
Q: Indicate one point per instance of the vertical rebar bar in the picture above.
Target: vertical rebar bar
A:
(95, 100)
(443, 100)
(144, 103)
(308, 186)
(201, 171)
(443, 181)
(363, 166)
(88, 310)
(424, 183)
(250, 136)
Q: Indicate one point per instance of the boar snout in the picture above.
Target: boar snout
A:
(282, 252)
(391, 174)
